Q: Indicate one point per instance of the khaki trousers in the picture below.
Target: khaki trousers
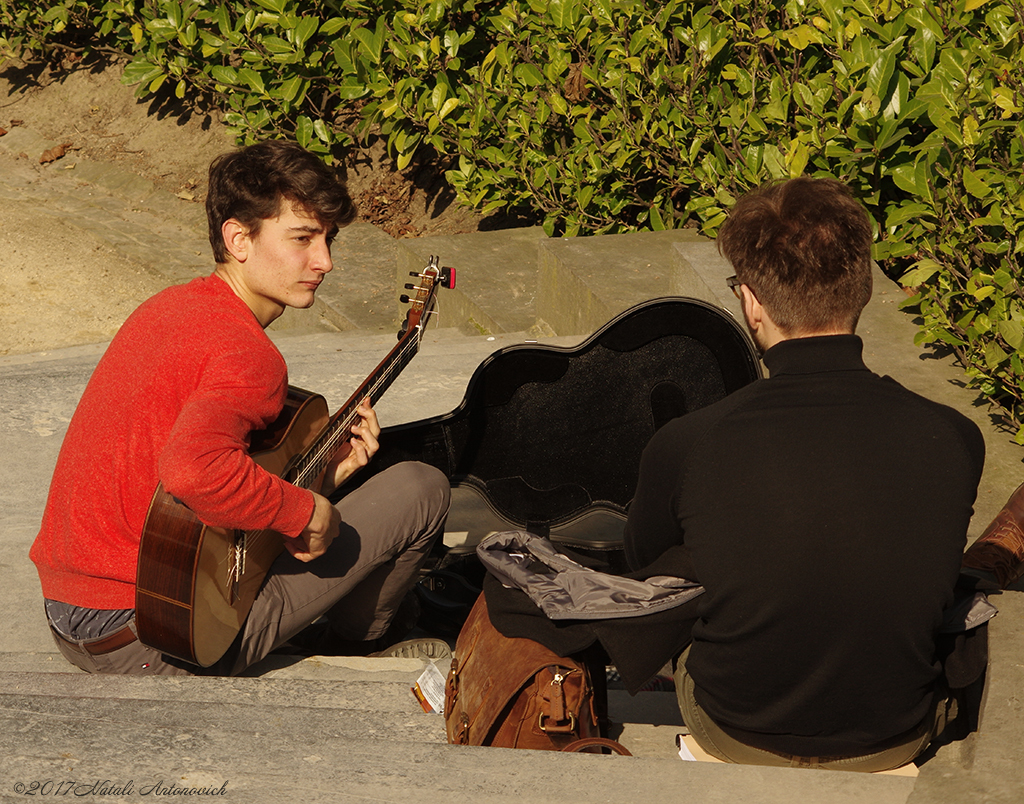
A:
(715, 741)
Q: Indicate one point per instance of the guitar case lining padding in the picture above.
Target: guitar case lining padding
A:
(548, 435)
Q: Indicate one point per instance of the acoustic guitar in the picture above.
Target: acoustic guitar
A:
(196, 584)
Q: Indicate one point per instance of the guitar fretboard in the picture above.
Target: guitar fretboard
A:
(339, 428)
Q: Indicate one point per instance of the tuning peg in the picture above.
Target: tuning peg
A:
(404, 299)
(447, 278)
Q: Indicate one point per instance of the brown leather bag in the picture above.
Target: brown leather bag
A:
(515, 693)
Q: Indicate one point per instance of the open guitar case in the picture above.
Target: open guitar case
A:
(548, 439)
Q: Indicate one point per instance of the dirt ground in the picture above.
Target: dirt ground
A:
(99, 119)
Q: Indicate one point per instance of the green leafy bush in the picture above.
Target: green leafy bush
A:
(616, 115)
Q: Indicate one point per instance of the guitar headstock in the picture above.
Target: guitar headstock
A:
(422, 304)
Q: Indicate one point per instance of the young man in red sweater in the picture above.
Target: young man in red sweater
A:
(174, 399)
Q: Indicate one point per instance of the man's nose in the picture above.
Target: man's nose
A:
(322, 261)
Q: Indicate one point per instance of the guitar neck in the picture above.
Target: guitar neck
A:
(310, 465)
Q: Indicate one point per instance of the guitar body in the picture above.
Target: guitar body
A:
(196, 584)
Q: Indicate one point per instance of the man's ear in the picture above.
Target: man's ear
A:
(753, 312)
(236, 239)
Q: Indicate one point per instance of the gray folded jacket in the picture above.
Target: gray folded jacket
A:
(565, 590)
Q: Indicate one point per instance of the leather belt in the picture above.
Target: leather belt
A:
(103, 645)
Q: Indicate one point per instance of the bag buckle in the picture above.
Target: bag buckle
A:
(557, 710)
(554, 728)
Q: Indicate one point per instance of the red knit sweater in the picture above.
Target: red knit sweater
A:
(189, 375)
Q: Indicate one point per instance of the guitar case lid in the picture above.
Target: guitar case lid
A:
(550, 436)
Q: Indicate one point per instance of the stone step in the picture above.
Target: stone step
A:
(170, 714)
(361, 292)
(359, 734)
(385, 690)
(551, 286)
(310, 756)
(984, 768)
(586, 281)
(646, 723)
(157, 231)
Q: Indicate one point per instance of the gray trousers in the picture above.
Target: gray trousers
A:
(388, 526)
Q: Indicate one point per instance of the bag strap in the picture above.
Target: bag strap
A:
(582, 745)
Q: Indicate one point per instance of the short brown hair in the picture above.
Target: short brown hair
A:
(250, 185)
(803, 247)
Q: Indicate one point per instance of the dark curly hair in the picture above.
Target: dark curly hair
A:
(250, 184)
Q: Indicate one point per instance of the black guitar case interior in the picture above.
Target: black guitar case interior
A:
(548, 439)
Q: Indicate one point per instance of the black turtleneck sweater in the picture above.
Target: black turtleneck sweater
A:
(825, 510)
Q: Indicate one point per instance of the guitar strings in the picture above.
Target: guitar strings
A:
(316, 461)
(319, 459)
(403, 354)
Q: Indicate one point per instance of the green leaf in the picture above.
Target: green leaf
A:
(140, 71)
(922, 271)
(305, 29)
(351, 89)
(907, 212)
(333, 25)
(657, 224)
(277, 45)
(1013, 333)
(372, 42)
(564, 13)
(448, 107)
(303, 131)
(224, 75)
(994, 354)
(277, 6)
(437, 97)
(802, 36)
(797, 157)
(974, 185)
(252, 79)
(529, 75)
(882, 68)
(290, 88)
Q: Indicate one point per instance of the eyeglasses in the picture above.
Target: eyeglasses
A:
(734, 285)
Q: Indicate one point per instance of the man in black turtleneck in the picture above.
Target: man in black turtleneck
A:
(825, 510)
